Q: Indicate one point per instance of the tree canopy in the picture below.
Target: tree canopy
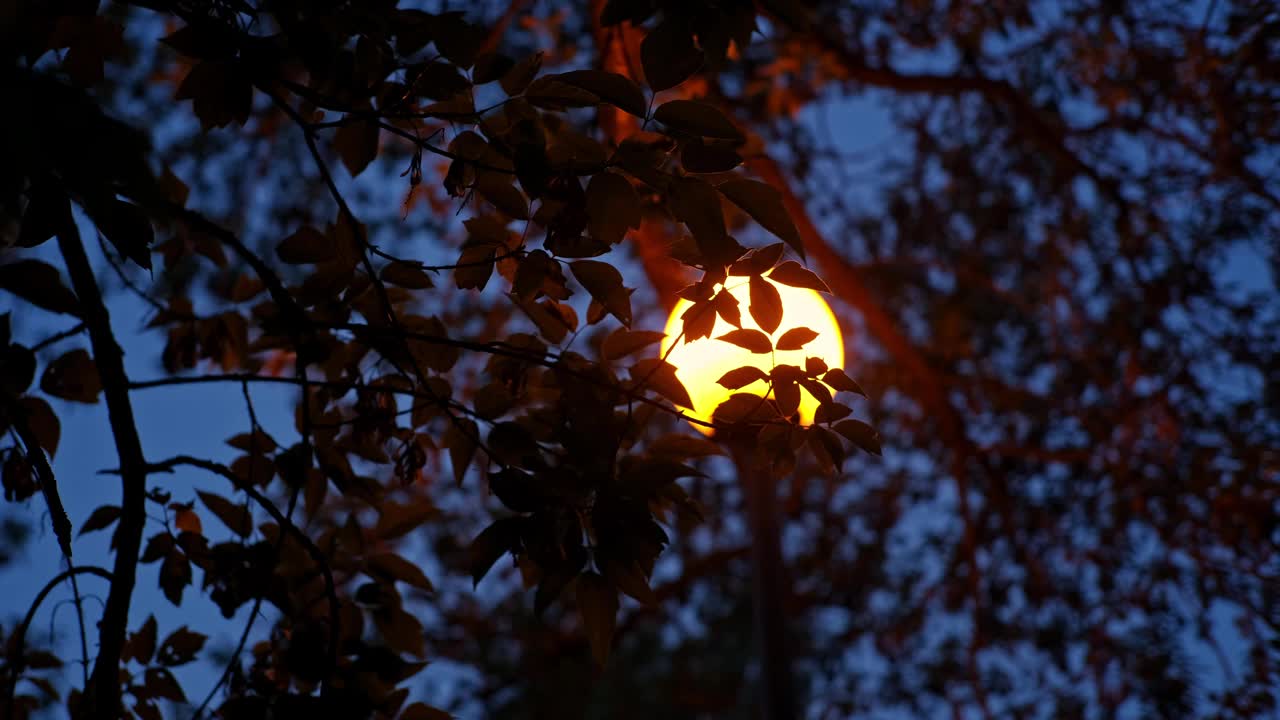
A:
(1047, 483)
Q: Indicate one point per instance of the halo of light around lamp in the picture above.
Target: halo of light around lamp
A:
(700, 363)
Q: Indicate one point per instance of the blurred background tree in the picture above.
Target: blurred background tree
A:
(1050, 229)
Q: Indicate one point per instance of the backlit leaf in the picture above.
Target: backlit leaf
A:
(39, 284)
(794, 274)
(766, 304)
(841, 381)
(668, 55)
(604, 282)
(615, 89)
(100, 519)
(612, 207)
(764, 204)
(753, 340)
(235, 516)
(741, 377)
(860, 434)
(796, 338)
(660, 376)
(697, 118)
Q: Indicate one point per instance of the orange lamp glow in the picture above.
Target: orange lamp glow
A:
(700, 363)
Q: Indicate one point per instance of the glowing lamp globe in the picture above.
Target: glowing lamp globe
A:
(701, 363)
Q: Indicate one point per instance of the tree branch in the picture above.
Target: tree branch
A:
(102, 696)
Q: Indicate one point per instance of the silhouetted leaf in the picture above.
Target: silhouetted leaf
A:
(180, 647)
(421, 711)
(604, 282)
(758, 261)
(668, 55)
(860, 434)
(726, 306)
(699, 157)
(741, 377)
(744, 408)
(521, 74)
(234, 516)
(830, 412)
(787, 395)
(357, 144)
(127, 227)
(698, 321)
(47, 212)
(766, 304)
(160, 683)
(141, 645)
(696, 203)
(492, 543)
(796, 338)
(306, 245)
(175, 575)
(839, 380)
(100, 519)
(615, 89)
(764, 205)
(793, 274)
(598, 603)
(623, 342)
(684, 446)
(460, 439)
(612, 207)
(43, 423)
(753, 340)
(394, 567)
(73, 376)
(17, 368)
(39, 284)
(660, 376)
(406, 275)
(697, 118)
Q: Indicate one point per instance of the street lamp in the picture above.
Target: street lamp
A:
(699, 365)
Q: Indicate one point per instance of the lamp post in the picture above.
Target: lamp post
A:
(699, 365)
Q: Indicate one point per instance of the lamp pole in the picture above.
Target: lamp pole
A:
(770, 583)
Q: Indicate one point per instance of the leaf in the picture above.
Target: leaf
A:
(521, 74)
(787, 395)
(406, 275)
(550, 93)
(860, 434)
(127, 227)
(48, 211)
(726, 306)
(766, 304)
(699, 157)
(612, 207)
(234, 516)
(604, 282)
(160, 683)
(660, 376)
(684, 446)
(141, 645)
(492, 543)
(180, 647)
(17, 368)
(175, 575)
(758, 261)
(796, 338)
(764, 204)
(817, 366)
(839, 380)
(460, 438)
(829, 412)
(668, 55)
(100, 519)
(749, 339)
(744, 407)
(741, 377)
(697, 118)
(357, 144)
(615, 89)
(395, 567)
(306, 245)
(43, 423)
(794, 274)
(623, 342)
(699, 321)
(498, 190)
(186, 520)
(39, 284)
(695, 203)
(598, 603)
(820, 392)
(422, 711)
(74, 376)
(398, 519)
